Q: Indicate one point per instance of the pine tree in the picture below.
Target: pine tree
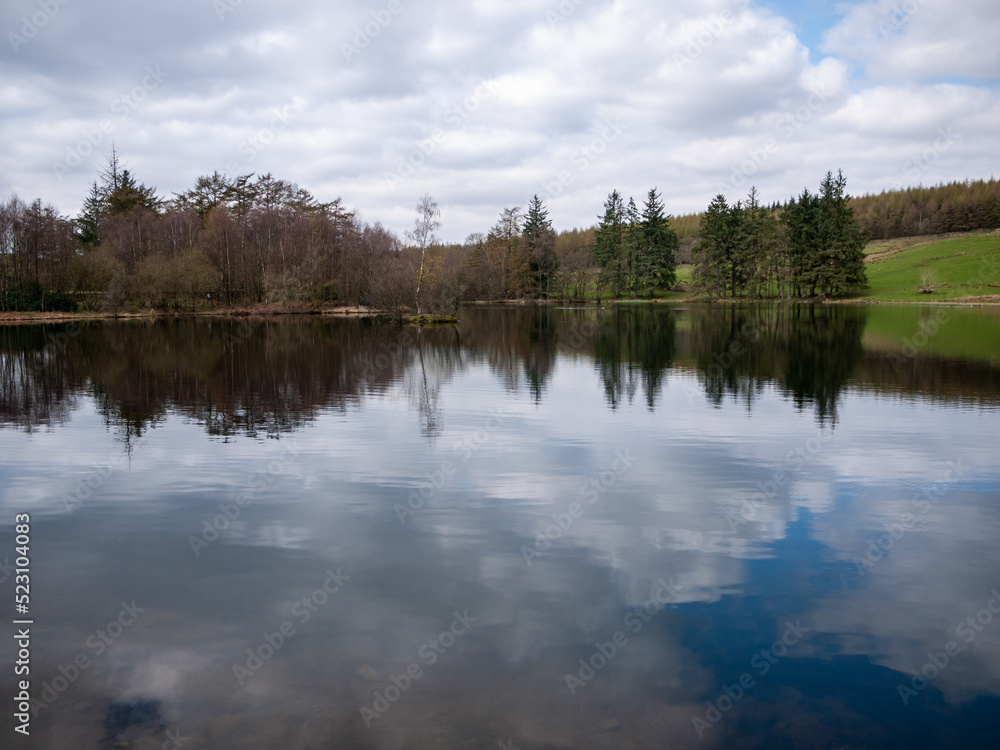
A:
(759, 249)
(131, 194)
(631, 246)
(716, 262)
(540, 242)
(658, 246)
(88, 223)
(609, 242)
(840, 242)
(803, 243)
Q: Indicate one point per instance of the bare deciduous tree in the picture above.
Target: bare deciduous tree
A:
(422, 236)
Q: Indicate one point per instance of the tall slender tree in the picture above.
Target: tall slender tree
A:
(423, 237)
(540, 242)
(840, 244)
(656, 265)
(609, 242)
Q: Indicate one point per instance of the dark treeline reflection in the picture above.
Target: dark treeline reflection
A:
(264, 377)
(634, 346)
(809, 350)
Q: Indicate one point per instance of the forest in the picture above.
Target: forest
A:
(255, 239)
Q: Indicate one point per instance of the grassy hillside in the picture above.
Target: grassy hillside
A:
(953, 268)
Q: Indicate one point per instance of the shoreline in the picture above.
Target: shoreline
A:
(356, 311)
(262, 311)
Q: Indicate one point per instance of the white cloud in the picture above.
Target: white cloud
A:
(919, 40)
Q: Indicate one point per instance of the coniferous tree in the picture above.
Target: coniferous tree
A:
(540, 244)
(759, 240)
(839, 239)
(130, 194)
(88, 223)
(609, 241)
(658, 246)
(631, 246)
(715, 269)
(800, 217)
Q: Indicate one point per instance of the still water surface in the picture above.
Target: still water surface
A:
(650, 527)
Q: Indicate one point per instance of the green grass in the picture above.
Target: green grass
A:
(954, 268)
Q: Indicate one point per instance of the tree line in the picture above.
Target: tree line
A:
(951, 207)
(255, 239)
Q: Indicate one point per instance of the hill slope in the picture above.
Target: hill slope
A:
(961, 268)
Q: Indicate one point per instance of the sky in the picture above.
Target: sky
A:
(485, 103)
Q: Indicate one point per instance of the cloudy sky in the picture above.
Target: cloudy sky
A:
(486, 102)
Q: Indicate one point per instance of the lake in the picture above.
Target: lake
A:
(710, 526)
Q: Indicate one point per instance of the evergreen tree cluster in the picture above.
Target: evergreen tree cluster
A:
(635, 250)
(810, 246)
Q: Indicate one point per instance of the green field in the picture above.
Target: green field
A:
(952, 269)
